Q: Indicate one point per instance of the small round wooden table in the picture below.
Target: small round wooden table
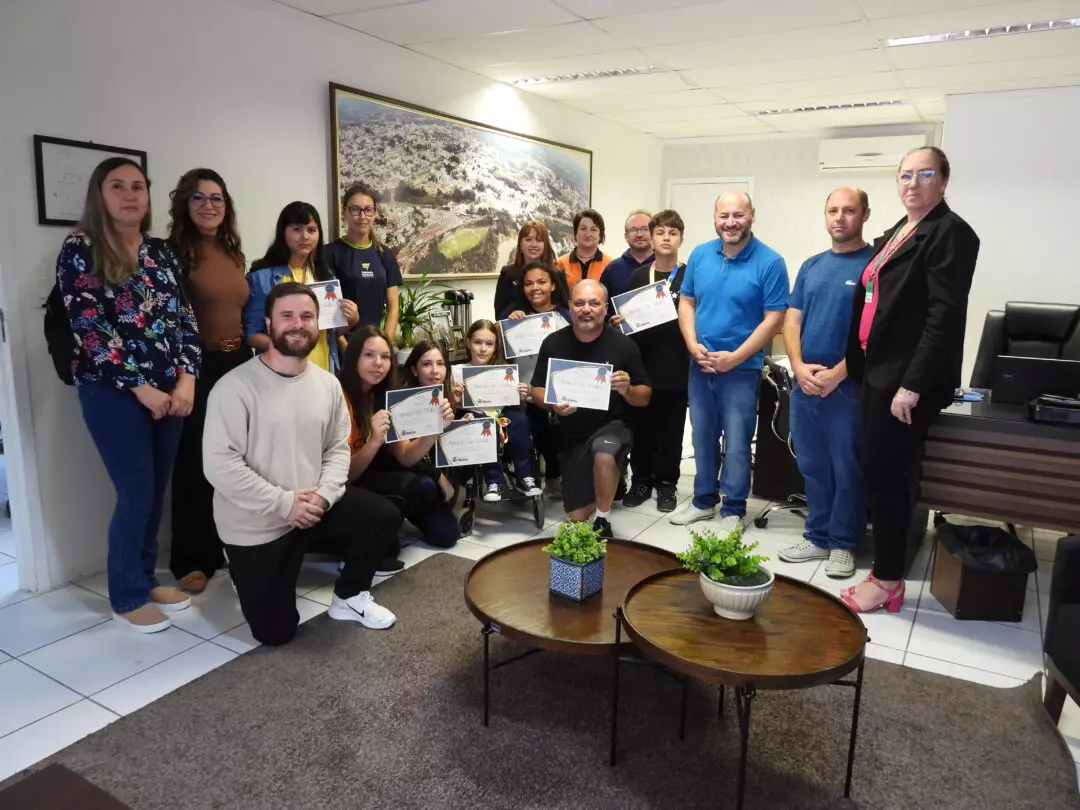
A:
(800, 637)
(508, 592)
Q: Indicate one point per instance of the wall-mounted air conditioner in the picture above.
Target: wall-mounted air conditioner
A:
(861, 154)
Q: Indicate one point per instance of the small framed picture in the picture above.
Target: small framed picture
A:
(63, 168)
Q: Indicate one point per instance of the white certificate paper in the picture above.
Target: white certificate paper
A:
(490, 386)
(468, 442)
(414, 412)
(329, 295)
(523, 337)
(583, 385)
(645, 307)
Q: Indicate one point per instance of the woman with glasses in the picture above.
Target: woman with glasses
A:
(368, 271)
(203, 235)
(585, 260)
(906, 345)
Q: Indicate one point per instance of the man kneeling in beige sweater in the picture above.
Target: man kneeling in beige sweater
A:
(275, 449)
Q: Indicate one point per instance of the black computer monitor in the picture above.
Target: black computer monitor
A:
(1018, 379)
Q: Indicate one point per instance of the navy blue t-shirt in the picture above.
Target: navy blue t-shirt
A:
(365, 273)
(823, 291)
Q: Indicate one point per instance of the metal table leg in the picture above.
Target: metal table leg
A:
(854, 729)
(743, 696)
(486, 632)
(682, 709)
(615, 683)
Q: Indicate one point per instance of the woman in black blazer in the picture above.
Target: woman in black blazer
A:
(906, 345)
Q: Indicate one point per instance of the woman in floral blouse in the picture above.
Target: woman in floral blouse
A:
(135, 367)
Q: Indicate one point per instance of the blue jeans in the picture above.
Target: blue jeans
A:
(138, 453)
(519, 446)
(827, 440)
(723, 405)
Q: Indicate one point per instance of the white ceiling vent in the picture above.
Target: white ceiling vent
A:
(861, 154)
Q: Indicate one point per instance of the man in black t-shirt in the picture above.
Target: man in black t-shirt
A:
(593, 444)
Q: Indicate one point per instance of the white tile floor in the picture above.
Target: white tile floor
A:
(66, 670)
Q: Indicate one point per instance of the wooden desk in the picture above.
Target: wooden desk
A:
(987, 461)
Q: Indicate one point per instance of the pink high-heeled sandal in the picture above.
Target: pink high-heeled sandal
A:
(892, 600)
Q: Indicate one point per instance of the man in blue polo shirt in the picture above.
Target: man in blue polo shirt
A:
(734, 294)
(639, 252)
(825, 403)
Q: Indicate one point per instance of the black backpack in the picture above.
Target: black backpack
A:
(58, 335)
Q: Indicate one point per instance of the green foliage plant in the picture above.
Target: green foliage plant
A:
(724, 559)
(576, 542)
(418, 303)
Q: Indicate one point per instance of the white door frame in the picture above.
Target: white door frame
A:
(24, 492)
(687, 181)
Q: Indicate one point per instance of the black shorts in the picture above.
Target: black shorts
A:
(615, 439)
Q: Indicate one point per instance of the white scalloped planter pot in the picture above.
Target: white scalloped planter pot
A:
(736, 601)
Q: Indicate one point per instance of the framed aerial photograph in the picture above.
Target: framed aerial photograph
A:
(63, 168)
(453, 192)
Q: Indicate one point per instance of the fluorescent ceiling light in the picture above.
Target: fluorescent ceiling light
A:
(589, 74)
(854, 105)
(981, 33)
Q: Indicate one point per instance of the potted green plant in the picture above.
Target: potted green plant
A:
(418, 303)
(732, 577)
(576, 568)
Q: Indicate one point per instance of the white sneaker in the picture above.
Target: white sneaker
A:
(802, 552)
(531, 488)
(841, 564)
(361, 608)
(691, 514)
(493, 493)
(728, 524)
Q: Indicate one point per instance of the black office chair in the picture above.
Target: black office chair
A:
(1026, 329)
(1063, 628)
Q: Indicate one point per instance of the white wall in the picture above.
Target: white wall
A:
(1016, 179)
(789, 191)
(239, 85)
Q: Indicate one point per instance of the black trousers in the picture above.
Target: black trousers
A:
(418, 499)
(545, 439)
(196, 545)
(658, 438)
(361, 528)
(892, 461)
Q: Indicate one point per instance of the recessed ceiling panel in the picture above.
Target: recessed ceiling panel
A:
(522, 46)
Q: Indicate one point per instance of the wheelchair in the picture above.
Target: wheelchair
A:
(471, 481)
(781, 381)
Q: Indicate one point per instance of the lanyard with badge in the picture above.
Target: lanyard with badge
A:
(880, 260)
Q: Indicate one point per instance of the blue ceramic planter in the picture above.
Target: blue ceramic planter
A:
(577, 581)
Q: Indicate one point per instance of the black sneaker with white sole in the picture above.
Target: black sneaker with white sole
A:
(388, 567)
(603, 525)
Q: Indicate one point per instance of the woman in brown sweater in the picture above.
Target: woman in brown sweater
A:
(203, 235)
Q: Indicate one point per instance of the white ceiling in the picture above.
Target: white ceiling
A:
(727, 60)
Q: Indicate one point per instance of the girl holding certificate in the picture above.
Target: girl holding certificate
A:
(425, 366)
(541, 291)
(395, 471)
(484, 349)
(295, 255)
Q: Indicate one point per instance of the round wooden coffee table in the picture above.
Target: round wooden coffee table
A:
(800, 637)
(508, 592)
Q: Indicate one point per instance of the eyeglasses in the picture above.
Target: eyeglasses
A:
(215, 200)
(367, 211)
(924, 176)
(638, 230)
